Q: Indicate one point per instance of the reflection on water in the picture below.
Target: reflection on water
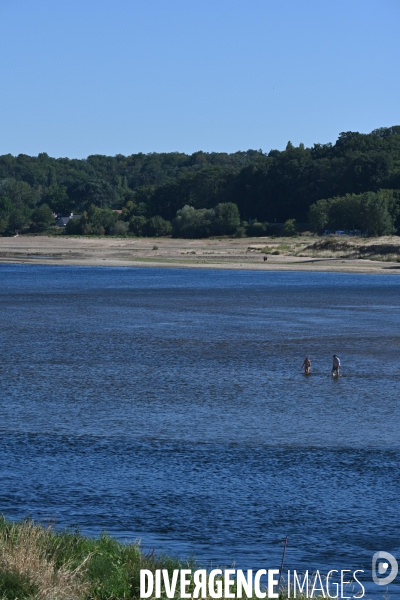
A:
(170, 405)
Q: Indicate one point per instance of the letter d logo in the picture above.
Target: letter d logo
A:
(383, 567)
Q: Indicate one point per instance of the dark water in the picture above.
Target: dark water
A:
(169, 405)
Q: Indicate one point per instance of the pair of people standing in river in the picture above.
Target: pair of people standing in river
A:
(335, 368)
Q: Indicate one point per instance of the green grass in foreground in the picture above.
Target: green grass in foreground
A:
(42, 564)
(39, 563)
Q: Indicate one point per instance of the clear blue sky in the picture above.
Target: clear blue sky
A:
(84, 77)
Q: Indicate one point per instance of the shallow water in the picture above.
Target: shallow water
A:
(169, 405)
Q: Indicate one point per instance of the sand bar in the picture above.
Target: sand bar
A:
(239, 253)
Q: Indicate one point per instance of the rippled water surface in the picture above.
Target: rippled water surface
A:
(169, 405)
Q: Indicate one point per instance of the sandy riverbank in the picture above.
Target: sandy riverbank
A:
(295, 254)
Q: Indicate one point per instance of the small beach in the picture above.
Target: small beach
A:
(283, 254)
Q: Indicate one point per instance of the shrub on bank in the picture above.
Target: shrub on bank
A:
(257, 229)
(189, 222)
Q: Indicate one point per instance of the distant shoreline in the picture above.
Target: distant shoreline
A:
(281, 254)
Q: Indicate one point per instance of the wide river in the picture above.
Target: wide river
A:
(169, 405)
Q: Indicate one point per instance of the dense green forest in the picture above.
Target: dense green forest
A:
(209, 193)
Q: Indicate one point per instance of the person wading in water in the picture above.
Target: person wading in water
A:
(336, 365)
(307, 366)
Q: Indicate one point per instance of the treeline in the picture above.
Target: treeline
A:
(189, 222)
(374, 213)
(151, 189)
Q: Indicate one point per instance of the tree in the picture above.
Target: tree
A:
(57, 198)
(192, 223)
(290, 228)
(227, 218)
(3, 224)
(42, 218)
(375, 213)
(137, 225)
(318, 216)
(20, 193)
(18, 219)
(157, 226)
(129, 210)
(101, 220)
(78, 226)
(96, 193)
(344, 212)
(120, 228)
(6, 206)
